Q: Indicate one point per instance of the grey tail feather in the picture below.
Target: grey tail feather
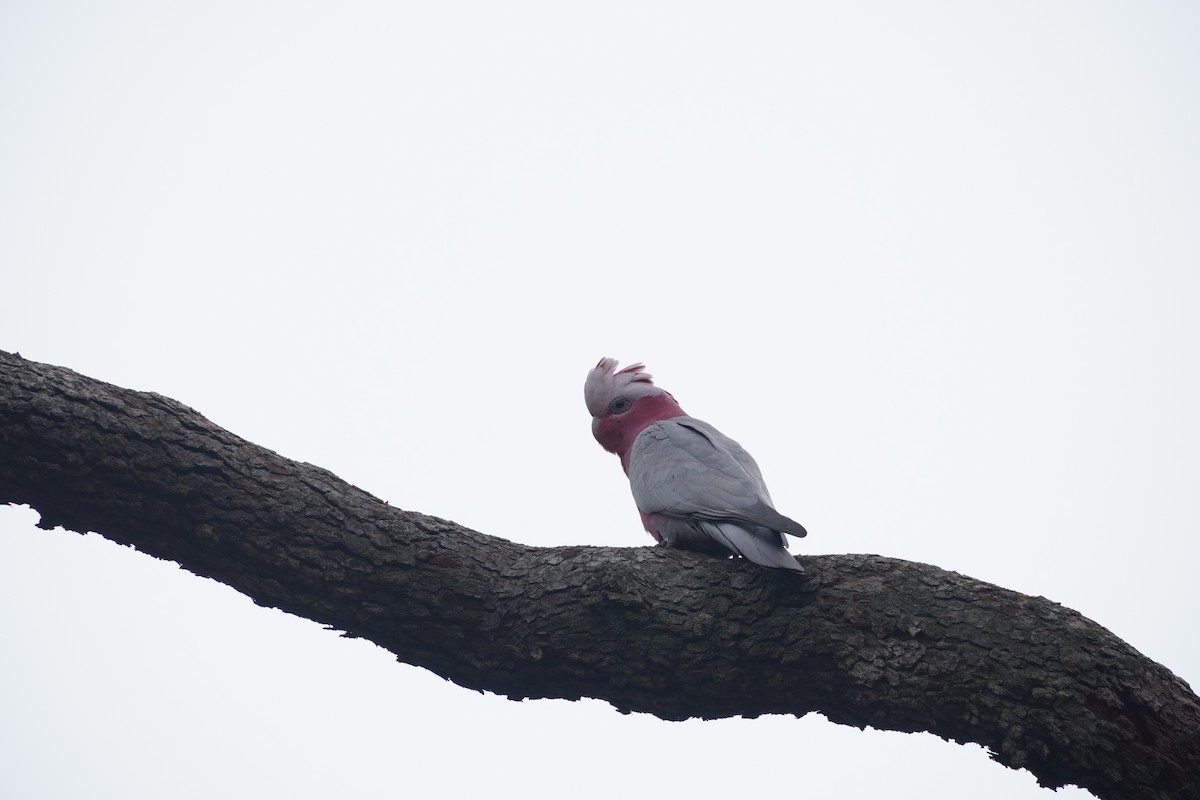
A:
(760, 515)
(779, 522)
(761, 546)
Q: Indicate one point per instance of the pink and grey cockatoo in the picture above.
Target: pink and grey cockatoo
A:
(695, 487)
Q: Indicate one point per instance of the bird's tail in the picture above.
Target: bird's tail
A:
(762, 546)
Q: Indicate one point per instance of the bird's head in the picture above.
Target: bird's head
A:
(623, 402)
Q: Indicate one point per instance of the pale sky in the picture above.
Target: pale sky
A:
(936, 265)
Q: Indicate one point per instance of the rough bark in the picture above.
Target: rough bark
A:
(863, 640)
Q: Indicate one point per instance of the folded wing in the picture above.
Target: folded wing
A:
(687, 470)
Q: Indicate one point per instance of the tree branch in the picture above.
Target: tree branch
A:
(864, 640)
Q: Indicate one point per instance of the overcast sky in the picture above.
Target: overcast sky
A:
(937, 265)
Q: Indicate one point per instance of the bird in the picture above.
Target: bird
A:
(695, 488)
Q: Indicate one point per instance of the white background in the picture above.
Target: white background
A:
(936, 265)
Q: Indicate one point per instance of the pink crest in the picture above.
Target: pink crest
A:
(604, 382)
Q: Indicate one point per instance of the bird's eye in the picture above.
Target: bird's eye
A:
(619, 405)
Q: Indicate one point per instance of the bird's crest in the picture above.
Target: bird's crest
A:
(605, 382)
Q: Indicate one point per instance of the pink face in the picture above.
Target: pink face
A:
(626, 417)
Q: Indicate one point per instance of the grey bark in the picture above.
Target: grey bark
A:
(864, 640)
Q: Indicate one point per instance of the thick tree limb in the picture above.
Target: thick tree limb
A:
(864, 640)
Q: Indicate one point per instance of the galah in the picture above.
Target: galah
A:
(695, 487)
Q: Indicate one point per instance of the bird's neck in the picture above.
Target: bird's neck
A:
(616, 434)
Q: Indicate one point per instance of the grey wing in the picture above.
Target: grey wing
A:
(684, 467)
(744, 459)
